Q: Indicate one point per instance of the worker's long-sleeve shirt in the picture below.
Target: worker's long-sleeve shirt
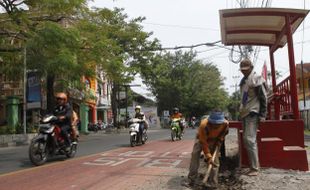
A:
(211, 134)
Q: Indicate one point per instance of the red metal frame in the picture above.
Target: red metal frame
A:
(290, 18)
(260, 13)
(281, 141)
(293, 81)
(285, 93)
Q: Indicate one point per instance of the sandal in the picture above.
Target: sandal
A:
(252, 173)
(243, 171)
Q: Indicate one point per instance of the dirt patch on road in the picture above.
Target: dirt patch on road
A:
(230, 177)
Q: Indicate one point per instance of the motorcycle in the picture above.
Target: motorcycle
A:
(176, 129)
(193, 124)
(135, 136)
(49, 142)
(93, 127)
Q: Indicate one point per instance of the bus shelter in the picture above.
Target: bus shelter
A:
(280, 138)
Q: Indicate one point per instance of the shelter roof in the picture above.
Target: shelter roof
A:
(258, 26)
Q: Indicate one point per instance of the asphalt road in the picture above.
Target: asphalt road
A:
(14, 159)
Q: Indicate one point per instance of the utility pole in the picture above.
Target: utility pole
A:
(25, 91)
(126, 100)
(235, 82)
(235, 86)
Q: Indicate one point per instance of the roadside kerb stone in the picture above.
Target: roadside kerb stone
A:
(16, 139)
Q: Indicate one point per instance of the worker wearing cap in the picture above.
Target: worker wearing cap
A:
(253, 109)
(211, 134)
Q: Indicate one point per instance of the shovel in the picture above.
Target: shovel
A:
(205, 179)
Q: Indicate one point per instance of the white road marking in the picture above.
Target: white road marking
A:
(143, 159)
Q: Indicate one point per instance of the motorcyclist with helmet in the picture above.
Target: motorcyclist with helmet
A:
(177, 115)
(193, 122)
(63, 111)
(140, 115)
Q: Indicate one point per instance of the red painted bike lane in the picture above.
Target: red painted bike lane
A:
(123, 168)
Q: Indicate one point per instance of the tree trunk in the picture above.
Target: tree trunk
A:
(50, 93)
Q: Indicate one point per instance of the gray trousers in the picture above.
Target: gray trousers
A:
(195, 162)
(250, 125)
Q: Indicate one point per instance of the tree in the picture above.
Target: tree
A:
(181, 80)
(234, 104)
(53, 52)
(35, 25)
(118, 46)
(66, 40)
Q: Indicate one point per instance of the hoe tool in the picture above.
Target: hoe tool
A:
(205, 179)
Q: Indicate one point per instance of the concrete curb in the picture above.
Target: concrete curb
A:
(16, 139)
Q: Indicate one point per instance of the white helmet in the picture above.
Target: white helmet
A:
(138, 107)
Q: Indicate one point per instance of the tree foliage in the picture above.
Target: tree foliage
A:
(111, 40)
(234, 104)
(66, 40)
(25, 21)
(181, 80)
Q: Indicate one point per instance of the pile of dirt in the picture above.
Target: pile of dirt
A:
(230, 177)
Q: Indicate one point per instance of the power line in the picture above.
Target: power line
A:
(191, 46)
(247, 51)
(203, 51)
(303, 35)
(301, 30)
(213, 44)
(214, 55)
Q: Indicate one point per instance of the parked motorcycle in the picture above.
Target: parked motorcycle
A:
(49, 142)
(176, 131)
(135, 136)
(93, 127)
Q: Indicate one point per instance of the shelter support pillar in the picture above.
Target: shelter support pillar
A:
(293, 82)
(274, 86)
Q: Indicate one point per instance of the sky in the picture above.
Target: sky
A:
(191, 22)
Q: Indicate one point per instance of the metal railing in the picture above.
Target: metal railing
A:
(280, 101)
